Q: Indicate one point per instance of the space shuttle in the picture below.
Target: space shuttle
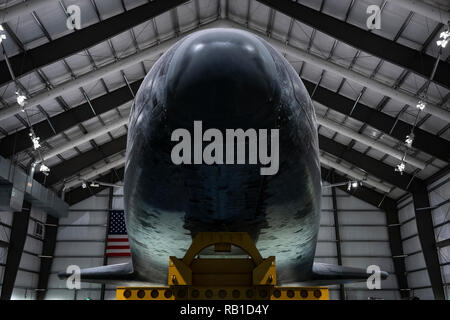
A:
(222, 81)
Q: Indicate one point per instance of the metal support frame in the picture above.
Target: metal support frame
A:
(87, 37)
(368, 164)
(193, 278)
(76, 164)
(443, 243)
(48, 251)
(423, 140)
(20, 141)
(425, 231)
(17, 240)
(79, 194)
(105, 257)
(378, 46)
(338, 238)
(396, 245)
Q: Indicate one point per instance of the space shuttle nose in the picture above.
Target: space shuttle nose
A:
(227, 79)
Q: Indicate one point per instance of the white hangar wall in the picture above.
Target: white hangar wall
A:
(364, 242)
(417, 275)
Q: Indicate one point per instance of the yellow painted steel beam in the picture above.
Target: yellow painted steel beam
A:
(222, 293)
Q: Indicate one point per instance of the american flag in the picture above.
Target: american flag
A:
(117, 245)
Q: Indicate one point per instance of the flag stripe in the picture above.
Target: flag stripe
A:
(118, 254)
(123, 235)
(117, 239)
(117, 247)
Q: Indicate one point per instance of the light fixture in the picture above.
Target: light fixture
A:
(443, 39)
(421, 105)
(35, 140)
(94, 185)
(21, 99)
(83, 185)
(2, 36)
(353, 185)
(44, 169)
(409, 139)
(400, 167)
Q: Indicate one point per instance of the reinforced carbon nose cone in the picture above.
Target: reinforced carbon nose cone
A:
(226, 78)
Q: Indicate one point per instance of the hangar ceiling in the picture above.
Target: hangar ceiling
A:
(365, 84)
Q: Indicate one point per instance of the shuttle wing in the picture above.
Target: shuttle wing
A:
(329, 274)
(117, 274)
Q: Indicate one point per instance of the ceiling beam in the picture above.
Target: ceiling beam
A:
(371, 142)
(104, 129)
(20, 141)
(393, 52)
(79, 194)
(370, 165)
(150, 53)
(91, 175)
(355, 174)
(423, 140)
(23, 8)
(73, 166)
(424, 9)
(154, 52)
(409, 99)
(85, 38)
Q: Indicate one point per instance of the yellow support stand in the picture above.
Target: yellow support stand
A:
(192, 278)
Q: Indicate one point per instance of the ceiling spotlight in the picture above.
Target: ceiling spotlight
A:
(400, 167)
(83, 185)
(21, 99)
(94, 185)
(353, 185)
(44, 169)
(2, 36)
(409, 139)
(35, 140)
(443, 39)
(421, 105)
